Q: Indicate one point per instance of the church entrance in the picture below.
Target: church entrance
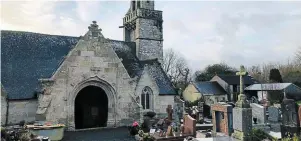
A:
(91, 108)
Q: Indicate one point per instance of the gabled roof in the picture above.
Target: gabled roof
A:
(27, 57)
(162, 80)
(287, 87)
(235, 79)
(209, 88)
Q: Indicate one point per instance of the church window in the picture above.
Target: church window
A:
(138, 4)
(134, 5)
(147, 98)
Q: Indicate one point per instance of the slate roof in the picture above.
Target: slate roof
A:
(235, 79)
(162, 80)
(126, 51)
(27, 57)
(209, 88)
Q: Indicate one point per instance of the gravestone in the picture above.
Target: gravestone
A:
(242, 113)
(178, 109)
(201, 111)
(274, 114)
(189, 125)
(290, 121)
(258, 112)
(222, 118)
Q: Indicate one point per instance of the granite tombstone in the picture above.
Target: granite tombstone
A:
(290, 122)
(274, 114)
(259, 113)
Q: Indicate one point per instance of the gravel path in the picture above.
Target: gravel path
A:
(116, 134)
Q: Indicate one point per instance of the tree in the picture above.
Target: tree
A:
(275, 76)
(298, 57)
(211, 70)
(298, 54)
(176, 68)
(293, 77)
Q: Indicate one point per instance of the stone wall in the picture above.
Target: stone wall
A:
(22, 110)
(149, 41)
(163, 103)
(95, 62)
(3, 109)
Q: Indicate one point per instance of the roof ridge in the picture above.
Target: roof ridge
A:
(16, 31)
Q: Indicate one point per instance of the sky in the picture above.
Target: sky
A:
(204, 32)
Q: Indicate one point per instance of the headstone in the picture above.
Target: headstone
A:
(258, 112)
(274, 114)
(222, 118)
(242, 113)
(290, 120)
(178, 110)
(201, 110)
(189, 125)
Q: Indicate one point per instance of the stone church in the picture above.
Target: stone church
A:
(87, 81)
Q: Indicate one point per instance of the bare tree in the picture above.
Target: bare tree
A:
(176, 68)
(298, 56)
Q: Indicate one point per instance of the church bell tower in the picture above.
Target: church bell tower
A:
(143, 24)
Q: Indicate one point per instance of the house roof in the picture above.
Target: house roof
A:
(162, 80)
(235, 79)
(209, 88)
(287, 87)
(27, 57)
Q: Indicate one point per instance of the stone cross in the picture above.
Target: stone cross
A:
(241, 73)
(242, 99)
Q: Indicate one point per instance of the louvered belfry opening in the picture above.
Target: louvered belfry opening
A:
(91, 108)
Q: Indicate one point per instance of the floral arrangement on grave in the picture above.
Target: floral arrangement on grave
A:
(145, 136)
(134, 128)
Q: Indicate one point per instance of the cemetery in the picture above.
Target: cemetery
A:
(91, 87)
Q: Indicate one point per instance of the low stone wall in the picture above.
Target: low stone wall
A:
(22, 110)
(3, 110)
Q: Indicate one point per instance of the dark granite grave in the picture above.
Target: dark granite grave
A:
(290, 121)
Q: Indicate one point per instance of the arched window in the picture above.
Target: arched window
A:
(147, 98)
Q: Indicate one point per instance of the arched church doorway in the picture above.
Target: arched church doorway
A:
(91, 108)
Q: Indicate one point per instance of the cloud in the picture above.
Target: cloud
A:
(236, 33)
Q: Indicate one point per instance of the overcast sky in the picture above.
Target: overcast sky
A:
(203, 32)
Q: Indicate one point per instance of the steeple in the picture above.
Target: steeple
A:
(143, 24)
